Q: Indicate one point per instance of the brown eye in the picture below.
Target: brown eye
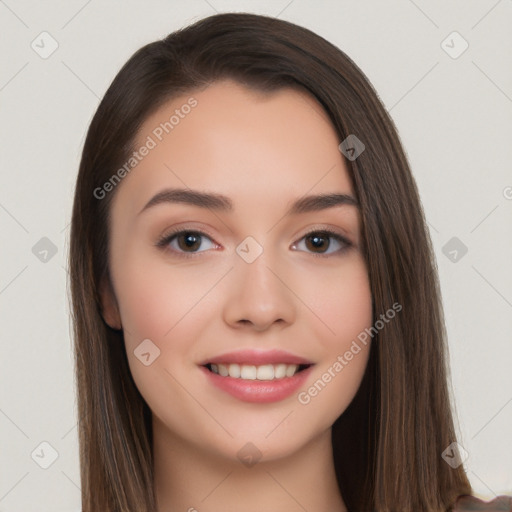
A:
(323, 243)
(186, 241)
(317, 242)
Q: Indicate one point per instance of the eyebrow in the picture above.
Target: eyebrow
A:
(219, 202)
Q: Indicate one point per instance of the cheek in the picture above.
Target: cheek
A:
(341, 299)
(158, 303)
(154, 297)
(147, 305)
(166, 304)
(345, 307)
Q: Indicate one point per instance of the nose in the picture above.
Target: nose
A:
(259, 295)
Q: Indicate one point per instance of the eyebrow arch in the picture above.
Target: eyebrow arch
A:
(220, 202)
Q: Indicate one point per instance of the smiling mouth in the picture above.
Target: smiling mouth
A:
(260, 372)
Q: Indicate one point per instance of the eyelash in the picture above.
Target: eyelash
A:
(164, 241)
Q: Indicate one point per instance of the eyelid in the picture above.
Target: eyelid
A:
(327, 228)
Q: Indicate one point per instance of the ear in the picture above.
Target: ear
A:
(109, 307)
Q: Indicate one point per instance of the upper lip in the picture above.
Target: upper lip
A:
(256, 357)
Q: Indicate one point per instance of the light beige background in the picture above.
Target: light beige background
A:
(454, 116)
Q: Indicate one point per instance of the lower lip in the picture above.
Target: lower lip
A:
(260, 391)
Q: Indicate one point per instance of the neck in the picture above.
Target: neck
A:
(189, 479)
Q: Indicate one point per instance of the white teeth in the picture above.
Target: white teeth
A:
(291, 369)
(265, 372)
(248, 372)
(234, 370)
(251, 372)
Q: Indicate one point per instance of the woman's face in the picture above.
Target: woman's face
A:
(248, 276)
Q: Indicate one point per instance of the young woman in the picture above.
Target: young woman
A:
(257, 315)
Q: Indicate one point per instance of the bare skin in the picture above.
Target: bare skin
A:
(263, 153)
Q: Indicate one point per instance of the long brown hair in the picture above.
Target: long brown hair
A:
(388, 443)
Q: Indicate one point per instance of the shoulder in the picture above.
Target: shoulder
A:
(468, 503)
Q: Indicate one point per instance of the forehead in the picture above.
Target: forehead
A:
(227, 101)
(241, 143)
